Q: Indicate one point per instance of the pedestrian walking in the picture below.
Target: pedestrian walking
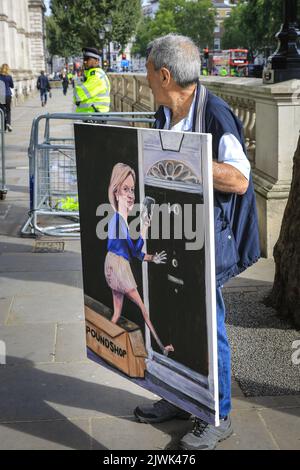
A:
(44, 87)
(6, 85)
(93, 95)
(173, 65)
(65, 84)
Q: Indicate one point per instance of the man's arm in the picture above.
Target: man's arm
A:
(231, 167)
(228, 179)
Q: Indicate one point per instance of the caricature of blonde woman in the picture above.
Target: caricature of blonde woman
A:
(121, 248)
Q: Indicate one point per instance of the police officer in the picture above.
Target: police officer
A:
(223, 72)
(93, 95)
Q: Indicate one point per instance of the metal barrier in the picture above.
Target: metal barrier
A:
(52, 173)
(3, 189)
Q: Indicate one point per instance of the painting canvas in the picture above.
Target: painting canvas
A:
(147, 238)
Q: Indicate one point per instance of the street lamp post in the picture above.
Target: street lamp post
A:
(101, 37)
(284, 64)
(108, 29)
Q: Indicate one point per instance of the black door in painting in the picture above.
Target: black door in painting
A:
(177, 289)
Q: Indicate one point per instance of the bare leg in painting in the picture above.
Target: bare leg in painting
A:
(118, 298)
(136, 298)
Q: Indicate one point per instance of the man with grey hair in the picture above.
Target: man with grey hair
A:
(173, 68)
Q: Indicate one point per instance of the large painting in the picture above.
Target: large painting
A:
(147, 237)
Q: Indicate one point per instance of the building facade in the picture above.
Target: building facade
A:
(223, 11)
(22, 42)
(150, 7)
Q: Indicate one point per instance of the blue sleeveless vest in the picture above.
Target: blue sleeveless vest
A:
(236, 225)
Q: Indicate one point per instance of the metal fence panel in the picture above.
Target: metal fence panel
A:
(2, 92)
(53, 178)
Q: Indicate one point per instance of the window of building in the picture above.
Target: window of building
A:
(217, 44)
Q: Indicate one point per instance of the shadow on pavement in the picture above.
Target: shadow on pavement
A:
(29, 398)
(52, 268)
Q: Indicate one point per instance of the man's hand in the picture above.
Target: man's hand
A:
(228, 179)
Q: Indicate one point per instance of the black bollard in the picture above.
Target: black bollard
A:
(284, 64)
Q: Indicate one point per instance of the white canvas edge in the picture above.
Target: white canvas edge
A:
(205, 141)
(210, 271)
(144, 265)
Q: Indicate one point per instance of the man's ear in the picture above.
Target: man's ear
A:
(165, 76)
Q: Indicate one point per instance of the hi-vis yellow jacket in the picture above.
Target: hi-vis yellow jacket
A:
(92, 95)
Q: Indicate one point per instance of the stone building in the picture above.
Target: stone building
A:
(223, 9)
(22, 42)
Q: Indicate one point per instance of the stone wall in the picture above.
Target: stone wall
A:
(22, 42)
(271, 118)
(37, 35)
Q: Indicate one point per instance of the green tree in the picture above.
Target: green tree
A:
(253, 25)
(76, 23)
(285, 294)
(195, 19)
(234, 35)
(59, 43)
(144, 35)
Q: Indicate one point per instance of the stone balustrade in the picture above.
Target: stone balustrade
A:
(240, 95)
(271, 118)
(130, 92)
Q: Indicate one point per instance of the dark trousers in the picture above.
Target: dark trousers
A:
(224, 367)
(44, 95)
(7, 110)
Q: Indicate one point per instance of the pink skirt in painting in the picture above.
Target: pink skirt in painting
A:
(118, 273)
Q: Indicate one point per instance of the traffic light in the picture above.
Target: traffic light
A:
(206, 53)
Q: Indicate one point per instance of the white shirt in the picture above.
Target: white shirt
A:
(230, 149)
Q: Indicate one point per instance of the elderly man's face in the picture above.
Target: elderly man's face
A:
(155, 80)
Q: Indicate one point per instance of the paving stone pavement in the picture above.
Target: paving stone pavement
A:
(51, 396)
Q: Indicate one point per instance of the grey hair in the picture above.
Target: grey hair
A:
(179, 54)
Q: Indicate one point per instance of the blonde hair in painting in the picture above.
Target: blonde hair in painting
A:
(119, 174)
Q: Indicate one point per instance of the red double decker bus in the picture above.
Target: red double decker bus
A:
(238, 57)
(232, 61)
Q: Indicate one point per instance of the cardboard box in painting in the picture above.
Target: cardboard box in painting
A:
(120, 345)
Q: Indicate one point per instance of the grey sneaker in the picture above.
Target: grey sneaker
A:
(206, 436)
(159, 412)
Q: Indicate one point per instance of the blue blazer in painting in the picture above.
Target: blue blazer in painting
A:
(120, 242)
